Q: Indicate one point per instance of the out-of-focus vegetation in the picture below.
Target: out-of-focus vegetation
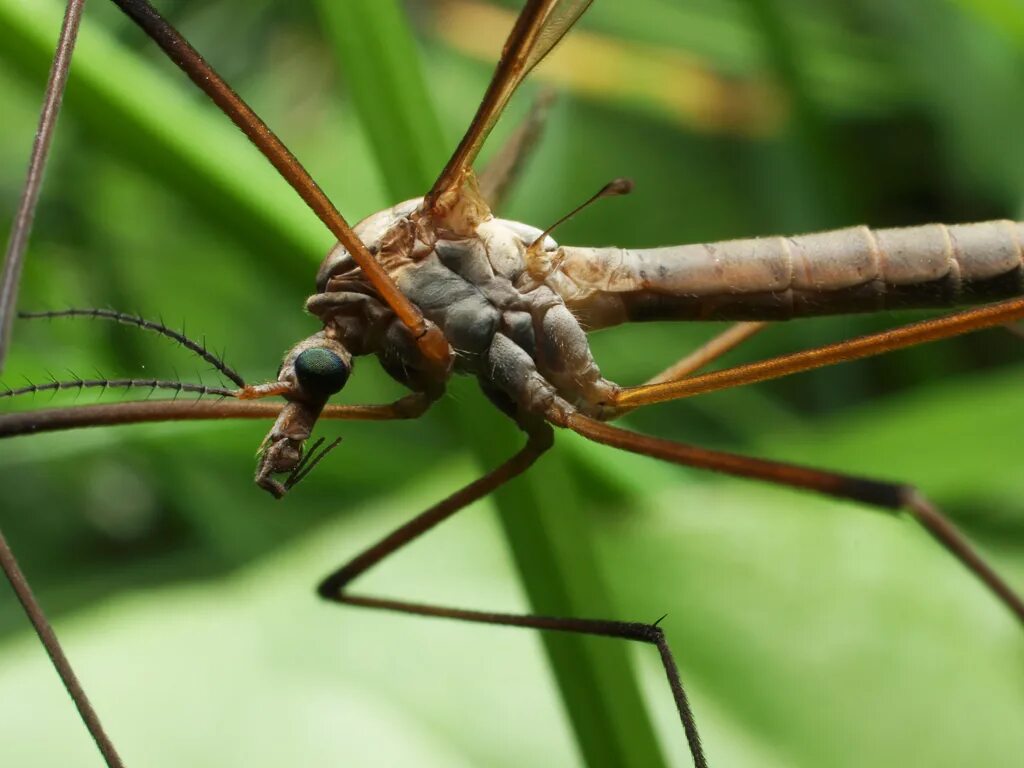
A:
(809, 633)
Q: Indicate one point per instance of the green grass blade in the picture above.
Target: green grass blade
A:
(818, 160)
(549, 539)
(124, 101)
(377, 54)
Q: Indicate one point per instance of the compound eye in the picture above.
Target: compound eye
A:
(320, 372)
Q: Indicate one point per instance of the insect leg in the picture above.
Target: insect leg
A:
(138, 412)
(504, 169)
(540, 439)
(22, 228)
(9, 280)
(54, 650)
(711, 350)
(706, 353)
(49, 419)
(853, 349)
(875, 493)
(429, 339)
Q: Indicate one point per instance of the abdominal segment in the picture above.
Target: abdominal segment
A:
(778, 278)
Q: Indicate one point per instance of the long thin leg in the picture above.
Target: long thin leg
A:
(334, 586)
(30, 422)
(147, 411)
(505, 167)
(884, 495)
(10, 279)
(710, 351)
(22, 229)
(854, 349)
(429, 338)
(706, 353)
(53, 649)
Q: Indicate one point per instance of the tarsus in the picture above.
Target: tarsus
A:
(126, 318)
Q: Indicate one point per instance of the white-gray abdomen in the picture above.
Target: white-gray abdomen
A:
(775, 278)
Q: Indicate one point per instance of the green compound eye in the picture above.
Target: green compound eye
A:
(321, 372)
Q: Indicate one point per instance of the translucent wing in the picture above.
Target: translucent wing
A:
(538, 29)
(558, 17)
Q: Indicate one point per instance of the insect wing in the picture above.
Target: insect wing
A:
(557, 19)
(539, 28)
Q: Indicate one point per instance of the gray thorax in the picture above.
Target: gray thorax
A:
(512, 332)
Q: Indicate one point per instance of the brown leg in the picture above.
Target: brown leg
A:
(143, 411)
(54, 650)
(854, 349)
(334, 586)
(505, 167)
(9, 281)
(22, 228)
(880, 494)
(429, 338)
(30, 422)
(708, 352)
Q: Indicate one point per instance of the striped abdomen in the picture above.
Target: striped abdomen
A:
(778, 278)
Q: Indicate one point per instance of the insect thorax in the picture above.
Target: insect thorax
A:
(513, 333)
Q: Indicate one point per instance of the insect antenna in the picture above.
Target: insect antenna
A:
(79, 383)
(156, 326)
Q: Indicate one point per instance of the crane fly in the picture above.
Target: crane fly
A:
(438, 286)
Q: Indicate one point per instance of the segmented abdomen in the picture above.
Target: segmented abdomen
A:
(777, 278)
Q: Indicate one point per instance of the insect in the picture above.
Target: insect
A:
(281, 453)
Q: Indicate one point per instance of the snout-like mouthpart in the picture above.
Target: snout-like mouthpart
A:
(311, 372)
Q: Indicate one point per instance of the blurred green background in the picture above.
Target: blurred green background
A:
(809, 633)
